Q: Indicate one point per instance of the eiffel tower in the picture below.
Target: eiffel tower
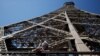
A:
(67, 29)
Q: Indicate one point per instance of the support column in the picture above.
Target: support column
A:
(80, 46)
(1, 32)
(2, 41)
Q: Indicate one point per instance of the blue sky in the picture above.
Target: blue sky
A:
(13, 11)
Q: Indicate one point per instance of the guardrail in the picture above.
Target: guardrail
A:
(50, 53)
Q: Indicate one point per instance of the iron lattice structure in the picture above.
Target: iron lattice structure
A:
(67, 29)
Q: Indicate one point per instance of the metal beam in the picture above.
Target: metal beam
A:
(10, 35)
(86, 23)
(80, 46)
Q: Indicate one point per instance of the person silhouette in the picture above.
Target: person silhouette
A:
(42, 47)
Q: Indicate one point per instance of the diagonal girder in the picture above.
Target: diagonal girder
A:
(10, 35)
(85, 23)
(60, 20)
(93, 39)
(77, 22)
(62, 31)
(80, 46)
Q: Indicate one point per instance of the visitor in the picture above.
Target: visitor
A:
(42, 47)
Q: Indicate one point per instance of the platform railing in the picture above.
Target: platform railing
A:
(50, 54)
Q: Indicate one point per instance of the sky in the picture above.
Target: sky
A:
(14, 11)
